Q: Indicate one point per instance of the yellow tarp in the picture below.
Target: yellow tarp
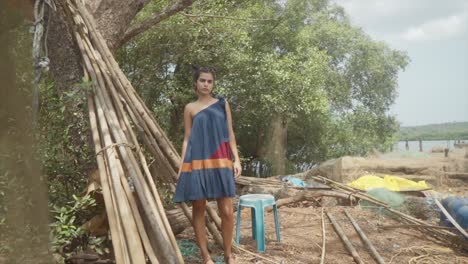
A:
(392, 183)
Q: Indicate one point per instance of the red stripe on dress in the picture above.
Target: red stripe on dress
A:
(223, 152)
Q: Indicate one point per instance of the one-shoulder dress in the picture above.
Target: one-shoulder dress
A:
(207, 170)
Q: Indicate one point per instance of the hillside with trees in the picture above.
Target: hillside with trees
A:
(445, 131)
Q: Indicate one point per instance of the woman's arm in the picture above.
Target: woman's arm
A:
(187, 130)
(233, 143)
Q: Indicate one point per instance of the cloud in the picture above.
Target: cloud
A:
(441, 28)
(402, 22)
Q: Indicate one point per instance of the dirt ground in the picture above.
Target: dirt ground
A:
(301, 239)
(301, 229)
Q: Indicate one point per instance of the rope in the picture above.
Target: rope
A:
(132, 147)
(40, 63)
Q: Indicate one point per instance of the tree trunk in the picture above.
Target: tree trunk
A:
(274, 145)
(113, 17)
(23, 196)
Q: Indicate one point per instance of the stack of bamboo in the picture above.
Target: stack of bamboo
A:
(119, 121)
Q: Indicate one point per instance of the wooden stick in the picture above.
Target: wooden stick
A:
(345, 240)
(364, 238)
(418, 226)
(324, 239)
(450, 218)
(116, 238)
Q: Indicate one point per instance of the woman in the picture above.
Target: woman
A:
(208, 170)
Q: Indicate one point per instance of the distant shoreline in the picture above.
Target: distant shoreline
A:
(446, 131)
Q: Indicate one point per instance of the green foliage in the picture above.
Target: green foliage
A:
(67, 233)
(65, 157)
(454, 130)
(301, 59)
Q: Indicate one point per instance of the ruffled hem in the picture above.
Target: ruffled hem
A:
(205, 184)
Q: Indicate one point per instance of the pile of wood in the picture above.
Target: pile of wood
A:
(121, 124)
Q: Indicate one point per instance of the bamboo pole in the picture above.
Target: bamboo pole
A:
(113, 224)
(157, 208)
(134, 242)
(119, 230)
(163, 142)
(324, 240)
(139, 221)
(129, 94)
(101, 83)
(153, 188)
(345, 240)
(128, 159)
(418, 226)
(364, 238)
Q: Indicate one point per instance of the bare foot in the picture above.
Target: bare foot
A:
(230, 259)
(208, 261)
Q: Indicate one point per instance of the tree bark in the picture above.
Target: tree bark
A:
(274, 145)
(113, 18)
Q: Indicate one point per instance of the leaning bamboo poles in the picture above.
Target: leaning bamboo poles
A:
(152, 135)
(120, 167)
(118, 108)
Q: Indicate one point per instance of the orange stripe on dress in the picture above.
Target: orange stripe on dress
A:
(206, 164)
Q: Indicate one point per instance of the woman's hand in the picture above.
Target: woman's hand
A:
(237, 169)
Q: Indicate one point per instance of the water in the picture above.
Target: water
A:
(426, 144)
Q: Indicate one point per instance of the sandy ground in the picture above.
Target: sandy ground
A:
(301, 234)
(301, 229)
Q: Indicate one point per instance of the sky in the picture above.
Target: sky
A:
(433, 88)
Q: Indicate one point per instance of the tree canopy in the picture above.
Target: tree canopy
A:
(301, 60)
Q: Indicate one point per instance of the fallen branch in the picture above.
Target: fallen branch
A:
(364, 238)
(345, 240)
(419, 226)
(324, 240)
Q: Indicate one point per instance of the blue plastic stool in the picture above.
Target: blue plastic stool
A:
(257, 203)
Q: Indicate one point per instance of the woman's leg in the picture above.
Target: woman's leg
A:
(227, 225)
(198, 211)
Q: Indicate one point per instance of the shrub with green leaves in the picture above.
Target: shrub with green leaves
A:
(67, 233)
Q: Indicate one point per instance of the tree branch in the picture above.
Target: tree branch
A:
(227, 17)
(155, 19)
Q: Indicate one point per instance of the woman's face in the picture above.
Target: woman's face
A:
(204, 84)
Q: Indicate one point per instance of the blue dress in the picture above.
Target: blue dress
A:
(207, 170)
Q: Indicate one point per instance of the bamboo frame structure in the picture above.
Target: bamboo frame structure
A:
(138, 224)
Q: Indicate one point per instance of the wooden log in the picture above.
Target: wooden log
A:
(345, 240)
(178, 221)
(366, 240)
(457, 175)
